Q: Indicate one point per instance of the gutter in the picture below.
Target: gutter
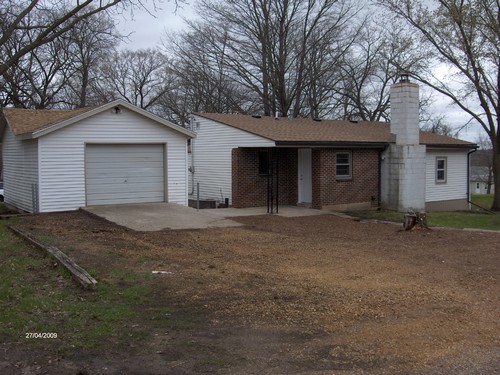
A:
(336, 144)
(436, 145)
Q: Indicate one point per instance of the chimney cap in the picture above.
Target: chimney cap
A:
(404, 76)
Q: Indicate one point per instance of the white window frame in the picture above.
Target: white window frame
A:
(349, 164)
(444, 169)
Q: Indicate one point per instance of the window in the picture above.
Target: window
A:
(477, 185)
(441, 170)
(343, 167)
(264, 163)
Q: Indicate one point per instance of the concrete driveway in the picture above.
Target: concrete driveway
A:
(158, 216)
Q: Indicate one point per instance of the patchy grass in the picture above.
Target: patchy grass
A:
(36, 296)
(286, 295)
(458, 219)
(4, 210)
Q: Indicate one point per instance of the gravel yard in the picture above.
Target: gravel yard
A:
(306, 295)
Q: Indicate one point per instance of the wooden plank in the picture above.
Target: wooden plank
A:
(79, 274)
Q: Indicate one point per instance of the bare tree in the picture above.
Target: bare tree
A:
(55, 20)
(204, 82)
(372, 65)
(135, 76)
(269, 44)
(57, 73)
(38, 77)
(464, 36)
(91, 41)
(438, 125)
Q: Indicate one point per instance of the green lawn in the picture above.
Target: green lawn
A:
(483, 200)
(476, 220)
(453, 219)
(38, 297)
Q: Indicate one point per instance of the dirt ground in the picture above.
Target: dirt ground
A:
(308, 295)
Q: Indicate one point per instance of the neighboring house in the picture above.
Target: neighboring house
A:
(326, 164)
(481, 172)
(478, 183)
(58, 160)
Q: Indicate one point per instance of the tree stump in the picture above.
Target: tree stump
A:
(415, 220)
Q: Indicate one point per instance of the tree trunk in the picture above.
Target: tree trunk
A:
(496, 174)
(490, 180)
(83, 87)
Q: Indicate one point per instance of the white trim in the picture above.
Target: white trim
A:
(105, 107)
(444, 170)
(349, 164)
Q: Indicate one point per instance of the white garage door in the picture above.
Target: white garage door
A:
(120, 174)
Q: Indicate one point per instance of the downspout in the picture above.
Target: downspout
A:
(277, 178)
(380, 160)
(468, 176)
(192, 168)
(379, 197)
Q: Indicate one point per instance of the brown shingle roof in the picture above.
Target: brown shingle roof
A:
(308, 130)
(24, 121)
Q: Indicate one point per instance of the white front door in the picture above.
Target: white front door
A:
(305, 175)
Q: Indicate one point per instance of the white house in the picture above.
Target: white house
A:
(58, 160)
(329, 164)
(481, 172)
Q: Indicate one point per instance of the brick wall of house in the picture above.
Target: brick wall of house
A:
(250, 189)
(362, 187)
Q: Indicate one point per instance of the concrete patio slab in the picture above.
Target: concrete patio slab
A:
(158, 216)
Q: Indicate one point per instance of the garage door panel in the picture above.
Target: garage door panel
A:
(130, 184)
(125, 188)
(124, 173)
(118, 158)
(123, 200)
(118, 174)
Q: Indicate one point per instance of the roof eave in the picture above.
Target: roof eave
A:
(332, 144)
(444, 145)
(196, 114)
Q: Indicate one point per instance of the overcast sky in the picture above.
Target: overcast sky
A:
(147, 32)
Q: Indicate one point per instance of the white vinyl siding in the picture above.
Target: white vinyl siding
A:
(20, 163)
(456, 175)
(211, 154)
(120, 174)
(62, 156)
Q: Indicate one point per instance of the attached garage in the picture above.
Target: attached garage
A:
(59, 160)
(133, 173)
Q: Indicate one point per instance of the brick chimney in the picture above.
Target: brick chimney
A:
(403, 163)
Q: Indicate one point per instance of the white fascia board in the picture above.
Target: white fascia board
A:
(105, 107)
